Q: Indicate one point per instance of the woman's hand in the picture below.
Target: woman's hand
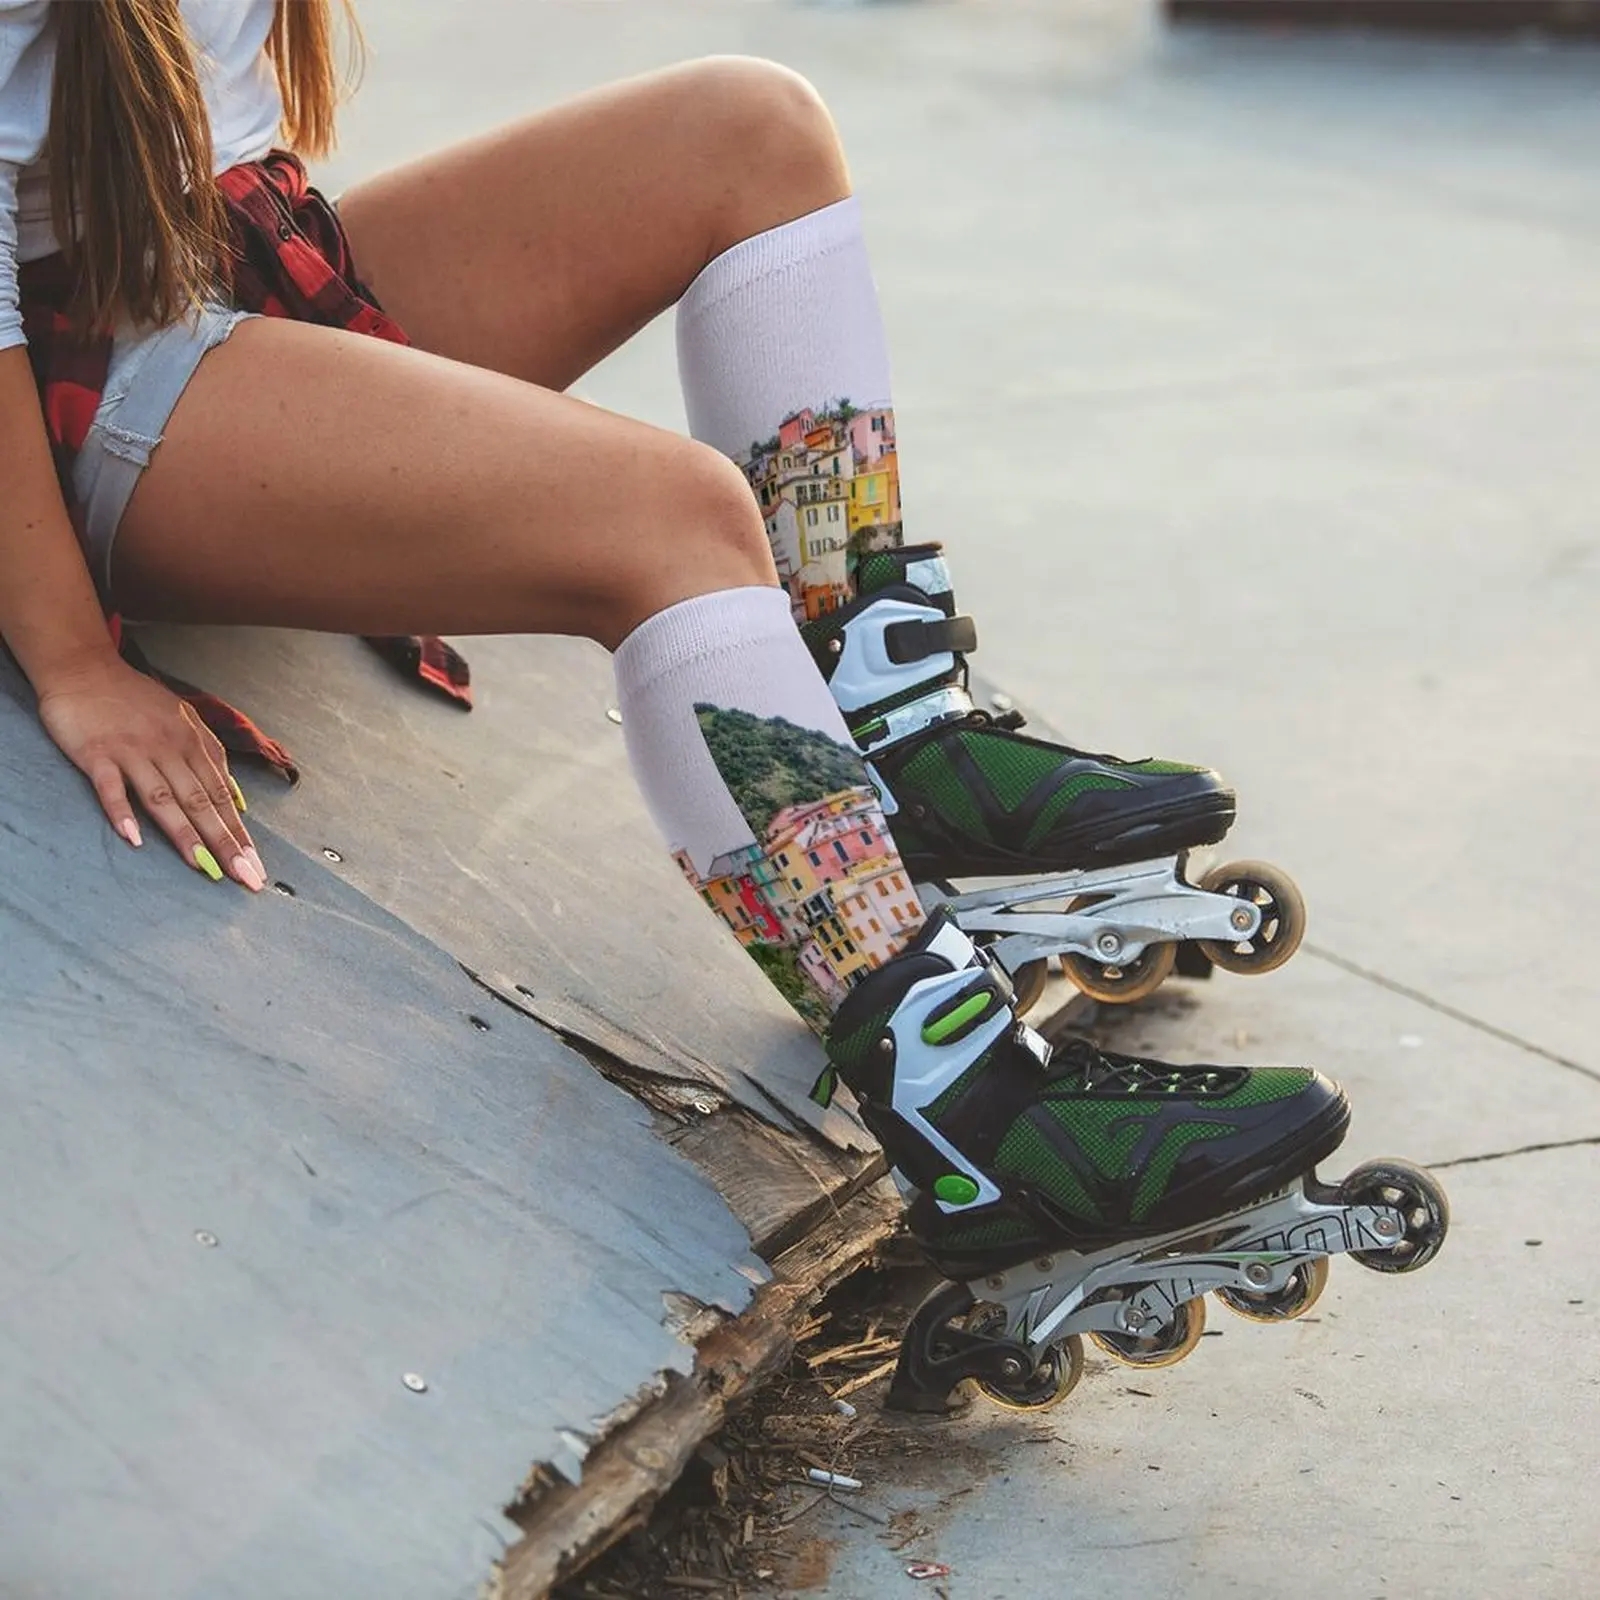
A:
(118, 727)
(121, 729)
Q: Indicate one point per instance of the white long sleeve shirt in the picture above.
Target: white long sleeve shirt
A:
(241, 93)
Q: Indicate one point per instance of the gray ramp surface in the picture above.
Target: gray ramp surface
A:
(514, 835)
(259, 1163)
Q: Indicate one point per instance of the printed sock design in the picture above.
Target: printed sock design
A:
(818, 895)
(747, 766)
(785, 369)
(828, 483)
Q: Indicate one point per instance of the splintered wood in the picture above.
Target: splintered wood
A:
(846, 1369)
(734, 1525)
(684, 1488)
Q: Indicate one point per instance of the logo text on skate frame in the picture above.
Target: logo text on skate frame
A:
(1157, 1294)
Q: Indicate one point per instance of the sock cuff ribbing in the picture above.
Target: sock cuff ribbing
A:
(819, 233)
(698, 628)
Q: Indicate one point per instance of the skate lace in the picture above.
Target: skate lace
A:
(1104, 1072)
(1012, 721)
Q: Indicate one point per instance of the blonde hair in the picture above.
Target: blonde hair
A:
(130, 147)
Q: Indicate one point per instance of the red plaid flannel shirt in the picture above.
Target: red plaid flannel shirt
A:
(290, 258)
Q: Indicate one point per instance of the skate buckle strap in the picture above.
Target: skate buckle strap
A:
(966, 1010)
(826, 1086)
(1035, 1044)
(905, 642)
(890, 727)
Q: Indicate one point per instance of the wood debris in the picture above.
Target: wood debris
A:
(728, 1528)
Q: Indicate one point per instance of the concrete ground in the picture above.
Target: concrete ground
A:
(1253, 378)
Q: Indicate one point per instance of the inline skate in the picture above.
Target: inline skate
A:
(1085, 1193)
(1092, 848)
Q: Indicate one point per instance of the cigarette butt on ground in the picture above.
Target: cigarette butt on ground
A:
(831, 1480)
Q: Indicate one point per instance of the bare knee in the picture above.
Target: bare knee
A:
(725, 536)
(710, 537)
(771, 149)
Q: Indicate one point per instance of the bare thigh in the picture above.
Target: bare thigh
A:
(537, 249)
(319, 479)
(313, 478)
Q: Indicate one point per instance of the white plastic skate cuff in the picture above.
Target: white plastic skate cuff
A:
(952, 945)
(930, 575)
(922, 1072)
(865, 675)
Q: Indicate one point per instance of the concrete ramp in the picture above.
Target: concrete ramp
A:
(321, 1226)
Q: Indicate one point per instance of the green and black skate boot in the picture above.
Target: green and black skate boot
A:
(1088, 855)
(1027, 1171)
(967, 794)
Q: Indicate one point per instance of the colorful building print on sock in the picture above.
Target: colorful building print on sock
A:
(828, 482)
(818, 894)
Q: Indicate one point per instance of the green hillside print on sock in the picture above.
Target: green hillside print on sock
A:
(781, 963)
(768, 763)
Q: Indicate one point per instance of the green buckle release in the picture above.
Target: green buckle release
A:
(956, 1189)
(958, 1020)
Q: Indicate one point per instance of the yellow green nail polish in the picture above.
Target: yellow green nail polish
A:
(238, 795)
(207, 863)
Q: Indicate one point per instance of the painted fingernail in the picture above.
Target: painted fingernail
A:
(247, 874)
(255, 861)
(129, 829)
(207, 863)
(238, 795)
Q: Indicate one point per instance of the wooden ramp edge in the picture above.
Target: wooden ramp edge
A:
(565, 1525)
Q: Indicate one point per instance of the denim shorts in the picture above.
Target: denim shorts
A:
(150, 369)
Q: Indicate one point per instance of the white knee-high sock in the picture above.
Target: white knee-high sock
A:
(749, 771)
(784, 366)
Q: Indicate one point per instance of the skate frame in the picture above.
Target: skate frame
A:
(1255, 1251)
(1145, 903)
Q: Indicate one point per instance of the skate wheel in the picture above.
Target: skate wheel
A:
(1163, 1348)
(1028, 982)
(1283, 917)
(1294, 1299)
(1423, 1207)
(1122, 985)
(1047, 1385)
